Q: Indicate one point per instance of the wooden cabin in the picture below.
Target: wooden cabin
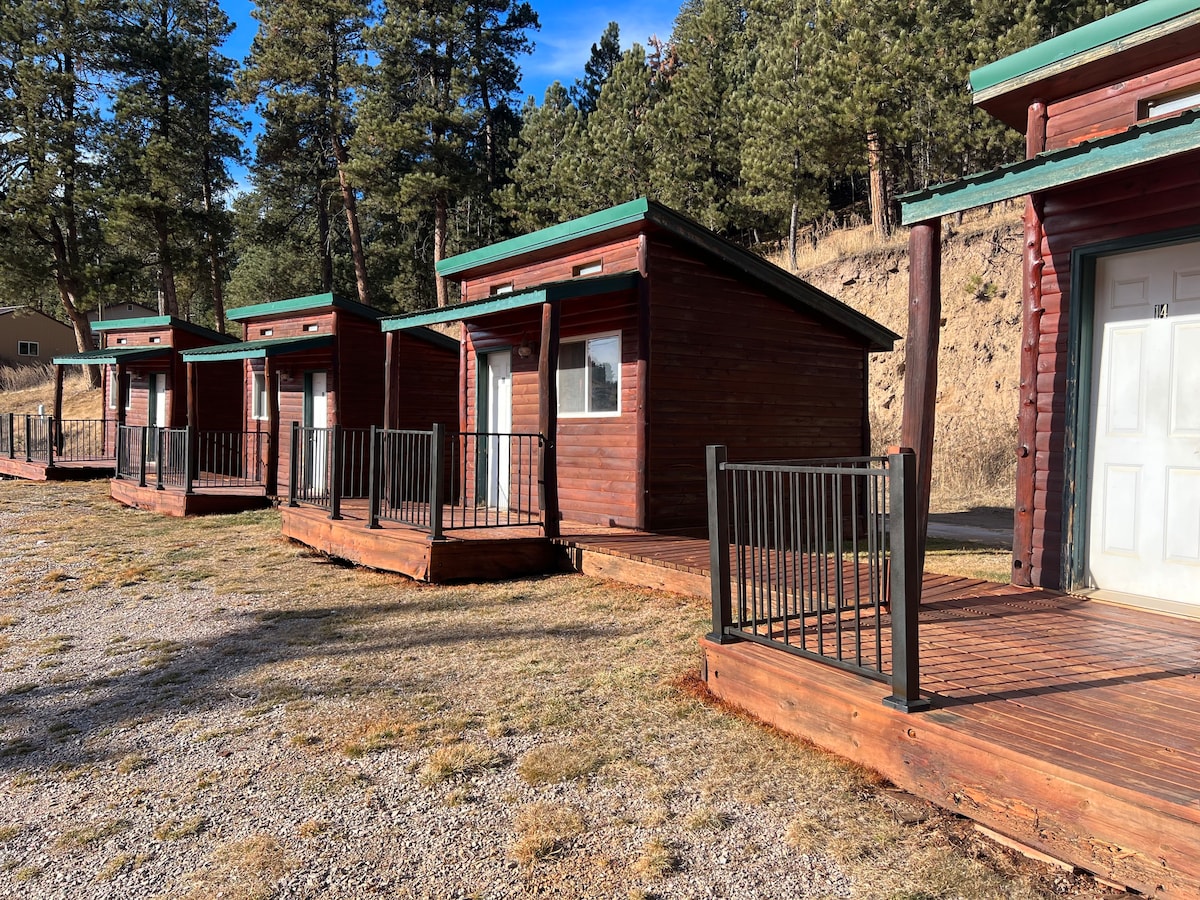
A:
(1108, 479)
(316, 363)
(1060, 711)
(144, 387)
(633, 337)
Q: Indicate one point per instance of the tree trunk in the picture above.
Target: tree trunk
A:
(324, 237)
(440, 227)
(350, 203)
(792, 233)
(881, 211)
(69, 292)
(166, 267)
(214, 257)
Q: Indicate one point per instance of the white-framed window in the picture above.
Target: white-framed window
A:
(258, 396)
(266, 332)
(497, 289)
(27, 348)
(1176, 101)
(128, 386)
(156, 340)
(122, 340)
(589, 376)
(311, 326)
(595, 267)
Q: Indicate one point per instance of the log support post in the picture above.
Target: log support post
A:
(720, 587)
(57, 438)
(391, 382)
(920, 364)
(641, 482)
(270, 379)
(1031, 318)
(548, 418)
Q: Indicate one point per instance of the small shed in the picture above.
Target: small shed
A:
(317, 362)
(629, 339)
(1108, 471)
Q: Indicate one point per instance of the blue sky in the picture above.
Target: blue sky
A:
(562, 45)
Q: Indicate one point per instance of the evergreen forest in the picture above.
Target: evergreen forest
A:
(393, 133)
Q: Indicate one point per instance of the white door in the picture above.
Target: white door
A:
(316, 415)
(158, 400)
(1144, 498)
(498, 403)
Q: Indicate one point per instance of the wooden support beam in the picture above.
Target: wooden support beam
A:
(270, 383)
(641, 484)
(391, 380)
(920, 360)
(193, 416)
(548, 417)
(122, 393)
(1031, 315)
(58, 397)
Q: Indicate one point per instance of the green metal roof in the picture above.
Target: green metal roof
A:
(302, 304)
(558, 290)
(793, 290)
(111, 356)
(159, 322)
(1133, 147)
(258, 349)
(1103, 37)
(604, 220)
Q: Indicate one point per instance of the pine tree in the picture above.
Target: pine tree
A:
(306, 63)
(622, 152)
(605, 55)
(544, 188)
(49, 208)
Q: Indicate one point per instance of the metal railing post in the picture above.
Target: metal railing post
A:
(160, 440)
(12, 444)
(142, 469)
(28, 438)
(189, 459)
(294, 464)
(905, 583)
(437, 457)
(373, 479)
(118, 460)
(334, 473)
(718, 545)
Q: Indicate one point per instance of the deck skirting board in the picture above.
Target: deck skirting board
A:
(1146, 843)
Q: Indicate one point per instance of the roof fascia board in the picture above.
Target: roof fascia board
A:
(302, 304)
(586, 226)
(160, 322)
(257, 349)
(1097, 40)
(1050, 170)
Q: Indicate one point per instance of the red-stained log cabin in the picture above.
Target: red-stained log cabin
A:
(144, 386)
(313, 364)
(600, 356)
(1066, 722)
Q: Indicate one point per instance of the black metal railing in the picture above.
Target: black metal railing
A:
(818, 558)
(431, 480)
(46, 439)
(189, 458)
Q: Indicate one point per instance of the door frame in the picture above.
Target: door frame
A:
(483, 404)
(1077, 457)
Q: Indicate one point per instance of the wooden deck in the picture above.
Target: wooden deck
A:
(173, 501)
(62, 470)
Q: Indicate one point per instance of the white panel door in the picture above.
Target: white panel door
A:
(1144, 488)
(316, 410)
(498, 369)
(158, 400)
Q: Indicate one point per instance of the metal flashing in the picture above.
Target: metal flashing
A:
(147, 322)
(302, 304)
(111, 356)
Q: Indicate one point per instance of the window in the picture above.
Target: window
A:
(122, 340)
(156, 340)
(1176, 101)
(311, 327)
(506, 288)
(27, 348)
(266, 332)
(590, 268)
(258, 396)
(589, 376)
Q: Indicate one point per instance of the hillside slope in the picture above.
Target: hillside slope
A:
(975, 439)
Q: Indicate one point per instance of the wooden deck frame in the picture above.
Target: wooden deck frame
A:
(174, 501)
(61, 470)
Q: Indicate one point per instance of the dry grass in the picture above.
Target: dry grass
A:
(558, 703)
(968, 560)
(543, 830)
(24, 389)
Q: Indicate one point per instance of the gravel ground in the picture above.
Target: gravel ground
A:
(202, 729)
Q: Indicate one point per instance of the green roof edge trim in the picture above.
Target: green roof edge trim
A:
(613, 217)
(300, 304)
(159, 322)
(1113, 29)
(111, 355)
(558, 290)
(258, 349)
(1133, 147)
